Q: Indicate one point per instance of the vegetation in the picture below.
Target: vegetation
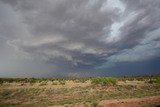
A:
(43, 83)
(1, 82)
(71, 91)
(154, 80)
(158, 80)
(104, 81)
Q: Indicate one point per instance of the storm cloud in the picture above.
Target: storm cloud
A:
(75, 35)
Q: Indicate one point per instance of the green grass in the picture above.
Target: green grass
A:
(154, 80)
(158, 80)
(104, 81)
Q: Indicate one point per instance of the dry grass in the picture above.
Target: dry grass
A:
(72, 92)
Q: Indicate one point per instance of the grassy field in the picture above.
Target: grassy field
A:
(75, 92)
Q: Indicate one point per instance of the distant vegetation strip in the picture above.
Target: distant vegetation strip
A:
(94, 80)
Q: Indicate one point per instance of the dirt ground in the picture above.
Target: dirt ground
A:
(134, 102)
(153, 101)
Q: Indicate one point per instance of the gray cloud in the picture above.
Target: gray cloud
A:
(64, 31)
(80, 34)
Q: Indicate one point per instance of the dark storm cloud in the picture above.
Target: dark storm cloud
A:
(145, 18)
(64, 30)
(80, 34)
(140, 33)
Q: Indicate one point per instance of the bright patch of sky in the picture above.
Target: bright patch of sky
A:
(115, 28)
(116, 4)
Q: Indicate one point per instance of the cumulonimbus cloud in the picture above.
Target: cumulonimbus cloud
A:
(80, 33)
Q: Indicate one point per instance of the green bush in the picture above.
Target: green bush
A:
(104, 81)
(158, 80)
(32, 80)
(95, 104)
(154, 80)
(151, 81)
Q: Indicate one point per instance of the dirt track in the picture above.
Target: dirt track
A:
(134, 102)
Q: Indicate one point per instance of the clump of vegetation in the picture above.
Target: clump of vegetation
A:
(54, 82)
(43, 83)
(6, 93)
(32, 81)
(95, 104)
(79, 80)
(155, 80)
(62, 82)
(1, 82)
(104, 81)
(158, 80)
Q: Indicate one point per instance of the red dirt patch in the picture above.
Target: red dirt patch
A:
(134, 102)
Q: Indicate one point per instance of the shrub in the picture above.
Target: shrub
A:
(151, 81)
(104, 80)
(95, 104)
(1, 82)
(43, 83)
(158, 80)
(32, 80)
(62, 82)
(154, 80)
(6, 93)
(54, 82)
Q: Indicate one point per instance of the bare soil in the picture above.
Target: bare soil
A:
(134, 102)
(153, 101)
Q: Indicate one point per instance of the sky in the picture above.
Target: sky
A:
(79, 38)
